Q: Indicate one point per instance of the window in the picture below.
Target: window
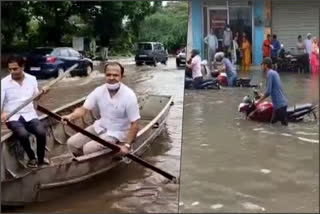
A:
(158, 47)
(63, 53)
(74, 53)
(42, 51)
(144, 46)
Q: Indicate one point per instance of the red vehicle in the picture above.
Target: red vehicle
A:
(263, 111)
(223, 79)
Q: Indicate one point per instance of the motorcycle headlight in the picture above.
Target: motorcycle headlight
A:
(242, 107)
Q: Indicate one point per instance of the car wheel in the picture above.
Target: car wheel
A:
(154, 62)
(60, 72)
(88, 70)
(166, 61)
(138, 63)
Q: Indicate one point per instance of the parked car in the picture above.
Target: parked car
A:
(151, 53)
(44, 62)
(181, 57)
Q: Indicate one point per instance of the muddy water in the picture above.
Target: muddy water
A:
(127, 188)
(230, 164)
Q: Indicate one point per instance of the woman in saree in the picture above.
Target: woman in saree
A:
(246, 54)
(314, 59)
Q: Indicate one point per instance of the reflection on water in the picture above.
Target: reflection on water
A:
(127, 188)
(230, 164)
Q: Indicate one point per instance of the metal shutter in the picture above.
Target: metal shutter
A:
(231, 3)
(291, 18)
(240, 3)
(215, 3)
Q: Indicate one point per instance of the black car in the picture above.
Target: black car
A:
(44, 62)
(181, 57)
(151, 53)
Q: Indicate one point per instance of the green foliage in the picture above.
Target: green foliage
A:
(116, 24)
(168, 26)
(14, 22)
(53, 18)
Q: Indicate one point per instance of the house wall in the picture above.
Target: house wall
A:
(258, 32)
(197, 34)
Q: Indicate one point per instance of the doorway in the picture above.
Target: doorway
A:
(238, 17)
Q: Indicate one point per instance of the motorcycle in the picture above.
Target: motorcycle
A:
(223, 79)
(214, 79)
(263, 112)
(207, 82)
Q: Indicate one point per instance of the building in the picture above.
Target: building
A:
(285, 18)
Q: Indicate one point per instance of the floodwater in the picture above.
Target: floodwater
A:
(127, 188)
(230, 164)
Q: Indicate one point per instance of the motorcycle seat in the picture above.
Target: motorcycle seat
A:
(299, 107)
(243, 82)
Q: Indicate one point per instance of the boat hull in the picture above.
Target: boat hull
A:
(26, 186)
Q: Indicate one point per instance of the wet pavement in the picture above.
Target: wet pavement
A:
(230, 164)
(127, 188)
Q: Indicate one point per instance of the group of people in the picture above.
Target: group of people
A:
(273, 88)
(117, 105)
(308, 51)
(236, 48)
(311, 47)
(194, 67)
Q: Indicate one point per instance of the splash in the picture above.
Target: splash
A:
(305, 133)
(216, 206)
(253, 207)
(308, 140)
(195, 203)
(265, 171)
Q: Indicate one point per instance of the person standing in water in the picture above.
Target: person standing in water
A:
(228, 68)
(274, 89)
(195, 66)
(212, 42)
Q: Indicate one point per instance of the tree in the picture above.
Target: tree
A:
(53, 18)
(107, 17)
(15, 16)
(168, 26)
(55, 23)
(157, 6)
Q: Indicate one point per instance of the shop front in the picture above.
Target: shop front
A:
(254, 19)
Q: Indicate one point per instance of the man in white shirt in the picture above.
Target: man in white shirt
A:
(212, 42)
(195, 65)
(308, 44)
(15, 89)
(119, 110)
(227, 40)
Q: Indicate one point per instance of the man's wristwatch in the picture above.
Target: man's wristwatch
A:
(127, 145)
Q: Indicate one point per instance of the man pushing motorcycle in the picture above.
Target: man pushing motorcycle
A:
(274, 89)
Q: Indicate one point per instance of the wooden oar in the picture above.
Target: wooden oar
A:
(26, 102)
(112, 146)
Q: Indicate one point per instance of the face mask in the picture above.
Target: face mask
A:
(228, 29)
(114, 86)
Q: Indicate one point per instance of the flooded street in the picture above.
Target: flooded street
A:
(230, 164)
(127, 188)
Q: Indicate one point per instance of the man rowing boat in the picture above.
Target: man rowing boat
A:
(118, 106)
(17, 87)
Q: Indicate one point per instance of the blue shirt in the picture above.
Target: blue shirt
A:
(276, 48)
(275, 90)
(230, 70)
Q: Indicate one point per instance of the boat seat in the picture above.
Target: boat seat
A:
(20, 173)
(61, 158)
(299, 107)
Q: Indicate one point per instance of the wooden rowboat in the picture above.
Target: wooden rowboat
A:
(21, 185)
